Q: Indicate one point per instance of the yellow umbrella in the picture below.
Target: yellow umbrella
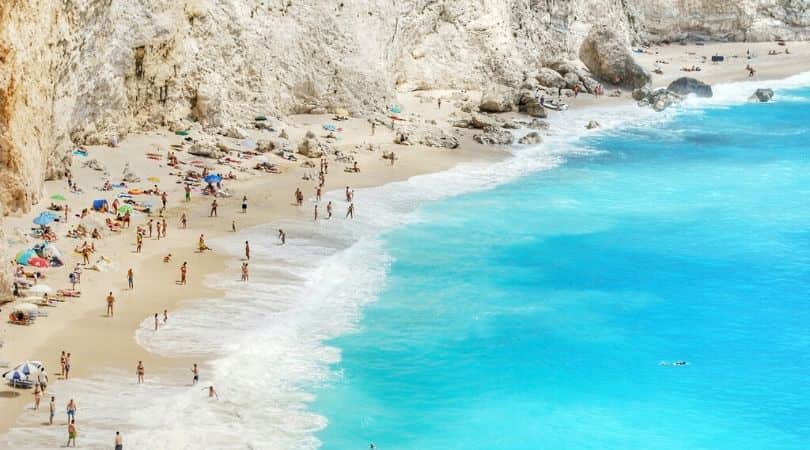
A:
(154, 179)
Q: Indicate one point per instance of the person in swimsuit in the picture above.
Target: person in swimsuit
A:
(140, 371)
(71, 434)
(244, 204)
(247, 250)
(196, 373)
(67, 366)
(110, 303)
(183, 272)
(119, 441)
(51, 410)
(71, 410)
(212, 392)
(156, 321)
(282, 235)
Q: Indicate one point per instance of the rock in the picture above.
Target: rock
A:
(661, 105)
(641, 93)
(530, 139)
(571, 80)
(128, 176)
(529, 104)
(589, 83)
(763, 95)
(591, 125)
(606, 56)
(277, 145)
(538, 124)
(205, 149)
(550, 78)
(429, 136)
(496, 99)
(311, 147)
(481, 121)
(494, 136)
(688, 85)
(564, 67)
(235, 133)
(95, 165)
(283, 134)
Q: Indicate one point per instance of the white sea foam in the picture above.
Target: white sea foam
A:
(267, 340)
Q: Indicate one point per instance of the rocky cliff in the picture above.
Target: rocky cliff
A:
(83, 71)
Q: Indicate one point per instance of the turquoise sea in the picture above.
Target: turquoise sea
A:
(546, 313)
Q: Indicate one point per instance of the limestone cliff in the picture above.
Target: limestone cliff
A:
(83, 71)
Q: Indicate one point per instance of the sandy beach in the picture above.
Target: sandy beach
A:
(97, 342)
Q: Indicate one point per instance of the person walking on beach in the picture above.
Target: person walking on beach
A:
(163, 198)
(62, 359)
(329, 210)
(165, 316)
(138, 243)
(156, 321)
(183, 273)
(42, 379)
(316, 212)
(350, 211)
(299, 197)
(51, 410)
(149, 226)
(71, 410)
(196, 372)
(71, 434)
(373, 127)
(214, 206)
(130, 279)
(282, 235)
(67, 366)
(244, 204)
(110, 303)
(140, 371)
(183, 221)
(188, 192)
(119, 441)
(245, 275)
(247, 250)
(163, 222)
(318, 194)
(233, 226)
(349, 195)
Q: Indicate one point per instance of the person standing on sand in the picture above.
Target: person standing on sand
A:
(244, 204)
(196, 373)
(350, 211)
(245, 275)
(71, 410)
(110, 303)
(140, 371)
(138, 242)
(318, 194)
(165, 227)
(67, 366)
(119, 441)
(183, 273)
(183, 221)
(233, 226)
(373, 127)
(165, 316)
(247, 250)
(316, 212)
(149, 225)
(214, 206)
(62, 360)
(329, 210)
(67, 209)
(37, 396)
(282, 235)
(188, 192)
(42, 379)
(51, 410)
(156, 321)
(72, 431)
(130, 279)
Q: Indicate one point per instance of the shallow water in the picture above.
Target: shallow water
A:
(546, 313)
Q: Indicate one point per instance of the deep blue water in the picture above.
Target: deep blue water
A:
(537, 315)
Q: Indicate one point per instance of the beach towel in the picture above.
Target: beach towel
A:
(329, 127)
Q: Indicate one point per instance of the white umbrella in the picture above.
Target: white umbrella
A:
(51, 251)
(40, 289)
(23, 371)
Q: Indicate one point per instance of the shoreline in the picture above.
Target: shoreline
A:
(118, 352)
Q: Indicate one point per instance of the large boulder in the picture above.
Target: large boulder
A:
(528, 104)
(311, 147)
(205, 149)
(550, 78)
(689, 85)
(275, 145)
(642, 93)
(496, 99)
(494, 136)
(763, 95)
(430, 136)
(607, 57)
(530, 139)
(571, 80)
(564, 67)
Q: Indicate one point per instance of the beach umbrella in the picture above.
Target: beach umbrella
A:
(50, 251)
(38, 262)
(40, 289)
(123, 209)
(26, 308)
(58, 198)
(213, 178)
(154, 179)
(44, 219)
(29, 367)
(25, 255)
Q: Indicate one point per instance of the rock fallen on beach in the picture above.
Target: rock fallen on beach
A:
(530, 139)
(494, 136)
(689, 85)
(606, 56)
(592, 125)
(763, 95)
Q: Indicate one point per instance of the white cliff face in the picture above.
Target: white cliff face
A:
(86, 70)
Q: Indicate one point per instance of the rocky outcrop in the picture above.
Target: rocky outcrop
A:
(312, 147)
(531, 138)
(427, 135)
(496, 99)
(762, 95)
(688, 85)
(608, 57)
(550, 78)
(529, 104)
(494, 136)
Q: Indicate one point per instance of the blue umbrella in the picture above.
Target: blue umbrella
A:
(44, 219)
(213, 178)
